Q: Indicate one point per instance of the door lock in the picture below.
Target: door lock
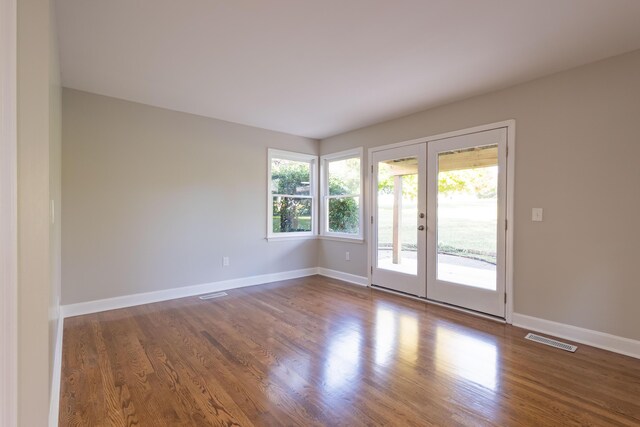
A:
(421, 215)
(421, 227)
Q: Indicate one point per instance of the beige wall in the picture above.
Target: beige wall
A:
(55, 187)
(153, 199)
(38, 242)
(578, 148)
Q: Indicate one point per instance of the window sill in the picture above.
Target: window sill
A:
(285, 238)
(355, 240)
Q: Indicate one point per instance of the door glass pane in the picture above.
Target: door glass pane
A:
(467, 222)
(398, 215)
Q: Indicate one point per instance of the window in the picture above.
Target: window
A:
(342, 211)
(292, 194)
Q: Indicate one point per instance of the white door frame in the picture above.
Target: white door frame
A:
(510, 125)
(8, 216)
(490, 301)
(412, 284)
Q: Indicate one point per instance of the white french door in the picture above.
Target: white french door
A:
(439, 218)
(466, 221)
(399, 219)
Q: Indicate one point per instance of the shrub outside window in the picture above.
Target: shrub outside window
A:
(341, 180)
(292, 194)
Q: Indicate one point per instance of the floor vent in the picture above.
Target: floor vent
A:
(550, 342)
(214, 295)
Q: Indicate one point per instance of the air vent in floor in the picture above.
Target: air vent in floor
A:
(214, 295)
(550, 342)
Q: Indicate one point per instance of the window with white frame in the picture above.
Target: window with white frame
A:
(342, 188)
(292, 194)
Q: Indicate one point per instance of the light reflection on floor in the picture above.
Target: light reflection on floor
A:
(463, 354)
(343, 358)
(395, 334)
(473, 358)
(409, 335)
(385, 336)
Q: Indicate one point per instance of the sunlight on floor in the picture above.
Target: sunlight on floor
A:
(471, 358)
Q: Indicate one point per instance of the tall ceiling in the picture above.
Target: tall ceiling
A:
(319, 68)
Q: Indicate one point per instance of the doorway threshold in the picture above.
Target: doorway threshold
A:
(440, 304)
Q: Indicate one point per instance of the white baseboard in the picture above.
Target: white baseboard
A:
(97, 306)
(345, 277)
(54, 406)
(597, 339)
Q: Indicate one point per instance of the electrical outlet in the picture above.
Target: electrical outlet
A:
(225, 261)
(536, 214)
(347, 256)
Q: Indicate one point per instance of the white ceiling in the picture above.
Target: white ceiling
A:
(319, 68)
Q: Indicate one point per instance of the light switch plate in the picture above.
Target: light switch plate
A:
(536, 214)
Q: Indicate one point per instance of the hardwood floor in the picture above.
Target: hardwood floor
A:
(315, 351)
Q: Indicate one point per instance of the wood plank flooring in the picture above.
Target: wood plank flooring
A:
(316, 351)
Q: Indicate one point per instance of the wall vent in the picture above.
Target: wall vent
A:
(214, 295)
(551, 342)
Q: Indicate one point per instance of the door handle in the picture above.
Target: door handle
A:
(421, 227)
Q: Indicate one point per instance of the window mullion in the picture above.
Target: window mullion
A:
(342, 196)
(295, 196)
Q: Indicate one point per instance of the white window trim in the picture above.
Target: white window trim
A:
(313, 194)
(324, 196)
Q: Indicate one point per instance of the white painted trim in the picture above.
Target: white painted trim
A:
(460, 132)
(287, 238)
(323, 194)
(8, 216)
(440, 304)
(290, 155)
(345, 154)
(345, 277)
(490, 301)
(410, 283)
(54, 407)
(510, 125)
(601, 340)
(370, 209)
(510, 217)
(312, 159)
(97, 306)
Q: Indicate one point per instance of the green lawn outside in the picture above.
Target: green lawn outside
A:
(467, 227)
(304, 222)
